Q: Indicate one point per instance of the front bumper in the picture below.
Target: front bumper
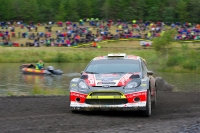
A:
(126, 102)
(124, 107)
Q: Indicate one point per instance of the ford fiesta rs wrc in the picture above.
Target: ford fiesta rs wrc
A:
(114, 82)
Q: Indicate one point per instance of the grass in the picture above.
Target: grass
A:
(68, 54)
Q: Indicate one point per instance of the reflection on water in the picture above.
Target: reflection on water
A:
(13, 82)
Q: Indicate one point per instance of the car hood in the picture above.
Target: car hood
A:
(108, 79)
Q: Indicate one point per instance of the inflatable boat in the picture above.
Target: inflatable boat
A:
(30, 69)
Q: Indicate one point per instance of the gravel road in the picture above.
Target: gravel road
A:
(176, 112)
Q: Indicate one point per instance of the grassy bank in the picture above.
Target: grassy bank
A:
(67, 54)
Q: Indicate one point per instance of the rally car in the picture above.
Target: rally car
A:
(114, 82)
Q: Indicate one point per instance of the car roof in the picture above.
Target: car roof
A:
(117, 56)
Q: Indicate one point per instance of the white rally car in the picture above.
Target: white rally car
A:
(114, 82)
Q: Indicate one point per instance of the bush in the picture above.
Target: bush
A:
(59, 58)
(190, 64)
(173, 60)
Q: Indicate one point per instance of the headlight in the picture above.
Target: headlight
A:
(82, 85)
(133, 84)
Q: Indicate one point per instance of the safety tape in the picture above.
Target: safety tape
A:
(129, 39)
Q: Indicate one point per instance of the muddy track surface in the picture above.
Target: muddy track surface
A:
(176, 112)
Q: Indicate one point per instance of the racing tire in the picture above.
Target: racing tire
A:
(147, 112)
(154, 99)
(74, 111)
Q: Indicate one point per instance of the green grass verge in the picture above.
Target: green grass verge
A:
(65, 54)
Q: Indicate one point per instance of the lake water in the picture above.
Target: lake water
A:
(13, 82)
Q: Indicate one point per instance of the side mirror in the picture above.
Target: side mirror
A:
(150, 72)
(81, 72)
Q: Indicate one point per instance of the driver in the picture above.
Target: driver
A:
(39, 65)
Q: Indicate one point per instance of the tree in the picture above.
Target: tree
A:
(141, 9)
(5, 10)
(72, 11)
(61, 13)
(105, 9)
(153, 13)
(113, 9)
(129, 11)
(46, 12)
(163, 44)
(168, 14)
(181, 10)
(97, 5)
(29, 9)
(194, 11)
(86, 8)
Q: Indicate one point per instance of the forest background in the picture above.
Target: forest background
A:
(73, 10)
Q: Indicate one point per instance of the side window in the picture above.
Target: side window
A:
(144, 69)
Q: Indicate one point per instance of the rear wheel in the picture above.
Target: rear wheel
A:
(154, 99)
(147, 112)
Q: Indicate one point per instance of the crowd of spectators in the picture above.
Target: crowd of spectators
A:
(72, 33)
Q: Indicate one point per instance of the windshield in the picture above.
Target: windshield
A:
(113, 66)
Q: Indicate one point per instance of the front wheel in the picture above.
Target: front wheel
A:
(147, 112)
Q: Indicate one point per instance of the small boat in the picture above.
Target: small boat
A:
(30, 69)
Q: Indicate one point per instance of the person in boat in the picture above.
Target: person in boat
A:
(39, 65)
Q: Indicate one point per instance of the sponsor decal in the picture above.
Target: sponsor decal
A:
(73, 85)
(78, 95)
(106, 83)
(105, 97)
(100, 57)
(106, 79)
(142, 95)
(74, 95)
(124, 80)
(109, 75)
(99, 83)
(132, 57)
(143, 85)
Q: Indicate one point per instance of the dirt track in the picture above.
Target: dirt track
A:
(175, 112)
